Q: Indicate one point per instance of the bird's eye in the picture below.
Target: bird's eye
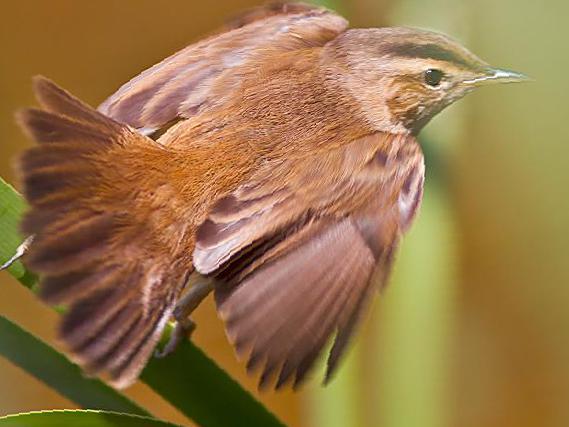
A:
(433, 77)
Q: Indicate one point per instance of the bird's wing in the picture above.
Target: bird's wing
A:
(180, 86)
(295, 250)
(274, 8)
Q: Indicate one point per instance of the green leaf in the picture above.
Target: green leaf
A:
(188, 379)
(194, 384)
(11, 208)
(54, 369)
(83, 418)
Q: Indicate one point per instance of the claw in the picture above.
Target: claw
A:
(20, 251)
(183, 329)
(184, 308)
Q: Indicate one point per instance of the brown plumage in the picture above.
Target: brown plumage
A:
(280, 162)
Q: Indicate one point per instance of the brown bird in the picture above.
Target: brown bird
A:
(275, 163)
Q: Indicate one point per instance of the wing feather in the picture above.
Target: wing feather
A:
(296, 263)
(180, 86)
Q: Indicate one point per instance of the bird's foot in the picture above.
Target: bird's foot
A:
(184, 308)
(182, 330)
(20, 252)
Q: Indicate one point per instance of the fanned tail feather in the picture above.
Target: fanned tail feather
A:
(119, 298)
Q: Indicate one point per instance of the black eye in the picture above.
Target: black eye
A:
(433, 77)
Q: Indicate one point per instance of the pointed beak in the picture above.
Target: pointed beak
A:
(497, 75)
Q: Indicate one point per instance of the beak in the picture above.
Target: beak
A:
(496, 75)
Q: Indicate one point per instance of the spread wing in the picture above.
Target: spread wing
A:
(181, 86)
(297, 249)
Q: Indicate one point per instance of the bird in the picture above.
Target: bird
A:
(274, 164)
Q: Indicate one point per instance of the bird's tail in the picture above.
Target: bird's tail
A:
(97, 247)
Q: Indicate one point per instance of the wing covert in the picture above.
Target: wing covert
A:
(179, 86)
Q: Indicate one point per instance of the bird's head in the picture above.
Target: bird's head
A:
(402, 77)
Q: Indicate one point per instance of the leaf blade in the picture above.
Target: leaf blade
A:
(54, 369)
(84, 418)
(194, 384)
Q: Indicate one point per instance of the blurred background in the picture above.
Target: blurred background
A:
(474, 328)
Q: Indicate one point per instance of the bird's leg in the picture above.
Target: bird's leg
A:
(20, 252)
(184, 308)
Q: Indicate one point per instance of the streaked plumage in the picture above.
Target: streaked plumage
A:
(280, 161)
